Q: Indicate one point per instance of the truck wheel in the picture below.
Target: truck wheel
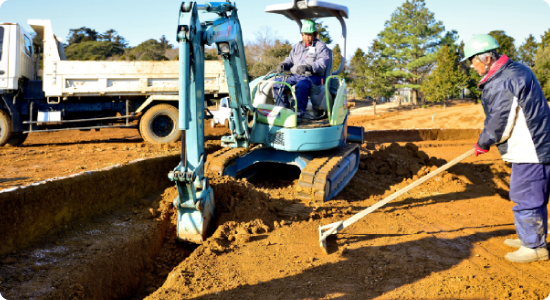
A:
(159, 125)
(5, 128)
(17, 139)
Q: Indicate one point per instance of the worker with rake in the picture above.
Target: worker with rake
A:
(518, 122)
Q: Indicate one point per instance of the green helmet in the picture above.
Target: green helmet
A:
(308, 27)
(480, 43)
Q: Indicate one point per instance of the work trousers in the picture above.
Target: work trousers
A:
(302, 86)
(529, 189)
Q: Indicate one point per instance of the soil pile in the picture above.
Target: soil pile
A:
(391, 168)
(242, 214)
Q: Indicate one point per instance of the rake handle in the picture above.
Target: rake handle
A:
(411, 186)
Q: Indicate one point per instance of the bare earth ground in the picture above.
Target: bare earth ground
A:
(459, 114)
(443, 240)
(56, 154)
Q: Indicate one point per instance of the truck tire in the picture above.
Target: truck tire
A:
(5, 128)
(159, 125)
(17, 139)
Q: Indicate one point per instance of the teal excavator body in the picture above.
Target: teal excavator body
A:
(318, 147)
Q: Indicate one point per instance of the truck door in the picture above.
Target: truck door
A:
(4, 54)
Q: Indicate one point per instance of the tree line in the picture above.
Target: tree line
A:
(415, 51)
(263, 53)
(88, 44)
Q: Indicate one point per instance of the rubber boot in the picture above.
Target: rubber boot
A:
(525, 255)
(516, 243)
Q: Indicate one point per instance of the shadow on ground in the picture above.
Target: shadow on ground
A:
(369, 272)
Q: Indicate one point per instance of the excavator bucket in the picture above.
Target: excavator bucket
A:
(194, 220)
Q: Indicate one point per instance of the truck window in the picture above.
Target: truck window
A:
(28, 46)
(1, 41)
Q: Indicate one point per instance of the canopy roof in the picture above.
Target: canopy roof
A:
(308, 9)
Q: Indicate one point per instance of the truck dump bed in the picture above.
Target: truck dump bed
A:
(64, 78)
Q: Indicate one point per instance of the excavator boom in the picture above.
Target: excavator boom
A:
(195, 200)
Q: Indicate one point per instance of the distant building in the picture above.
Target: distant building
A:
(404, 93)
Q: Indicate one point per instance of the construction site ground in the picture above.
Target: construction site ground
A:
(442, 240)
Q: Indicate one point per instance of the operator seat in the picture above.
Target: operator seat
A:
(317, 95)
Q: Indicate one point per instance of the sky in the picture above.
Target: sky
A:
(140, 20)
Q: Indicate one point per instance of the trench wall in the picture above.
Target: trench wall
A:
(26, 213)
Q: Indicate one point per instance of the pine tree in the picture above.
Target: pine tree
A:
(542, 69)
(165, 43)
(375, 73)
(337, 59)
(411, 38)
(447, 79)
(355, 67)
(82, 34)
(506, 42)
(322, 30)
(545, 39)
(527, 51)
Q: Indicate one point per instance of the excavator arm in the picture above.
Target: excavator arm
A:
(195, 201)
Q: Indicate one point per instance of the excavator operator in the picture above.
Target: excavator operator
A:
(307, 62)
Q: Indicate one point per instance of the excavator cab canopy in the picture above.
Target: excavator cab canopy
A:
(299, 10)
(304, 9)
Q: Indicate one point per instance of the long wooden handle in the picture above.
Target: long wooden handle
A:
(411, 186)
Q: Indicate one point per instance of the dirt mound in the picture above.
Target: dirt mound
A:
(398, 163)
(244, 215)
(240, 201)
(389, 169)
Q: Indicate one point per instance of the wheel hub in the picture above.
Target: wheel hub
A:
(163, 126)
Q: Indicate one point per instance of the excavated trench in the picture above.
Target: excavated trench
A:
(110, 234)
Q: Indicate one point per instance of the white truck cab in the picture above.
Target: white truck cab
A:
(16, 56)
(221, 116)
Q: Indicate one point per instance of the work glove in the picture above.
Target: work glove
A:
(480, 151)
(281, 68)
(301, 70)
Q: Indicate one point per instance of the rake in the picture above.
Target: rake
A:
(334, 228)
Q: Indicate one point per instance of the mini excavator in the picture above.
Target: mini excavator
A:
(260, 131)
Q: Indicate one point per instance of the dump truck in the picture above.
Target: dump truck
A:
(86, 95)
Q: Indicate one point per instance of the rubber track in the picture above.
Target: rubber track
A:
(312, 184)
(313, 178)
(219, 159)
